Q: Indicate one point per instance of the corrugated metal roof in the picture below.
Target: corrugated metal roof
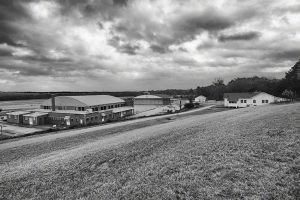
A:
(18, 113)
(36, 114)
(163, 95)
(92, 100)
(121, 109)
(82, 101)
(147, 96)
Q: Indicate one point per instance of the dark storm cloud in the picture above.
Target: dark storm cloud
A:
(128, 49)
(5, 52)
(159, 49)
(184, 27)
(120, 2)
(104, 9)
(5, 39)
(29, 70)
(186, 61)
(45, 59)
(129, 39)
(12, 9)
(290, 54)
(252, 35)
(210, 20)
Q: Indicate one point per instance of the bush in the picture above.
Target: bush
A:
(189, 105)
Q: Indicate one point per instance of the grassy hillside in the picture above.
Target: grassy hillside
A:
(250, 153)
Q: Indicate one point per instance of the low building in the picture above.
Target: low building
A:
(119, 113)
(152, 100)
(16, 117)
(239, 100)
(200, 99)
(78, 118)
(35, 119)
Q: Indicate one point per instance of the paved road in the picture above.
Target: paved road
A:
(70, 133)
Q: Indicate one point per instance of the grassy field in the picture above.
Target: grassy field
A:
(250, 153)
(21, 104)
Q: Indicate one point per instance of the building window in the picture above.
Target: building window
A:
(254, 101)
(16, 117)
(263, 101)
(267, 101)
(87, 119)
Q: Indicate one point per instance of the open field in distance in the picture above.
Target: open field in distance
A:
(21, 104)
(250, 153)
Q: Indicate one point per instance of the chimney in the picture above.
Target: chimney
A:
(53, 102)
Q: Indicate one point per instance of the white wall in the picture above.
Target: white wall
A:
(200, 99)
(249, 101)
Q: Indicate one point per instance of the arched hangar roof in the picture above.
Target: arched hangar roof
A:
(83, 101)
(147, 96)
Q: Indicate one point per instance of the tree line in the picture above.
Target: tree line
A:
(288, 87)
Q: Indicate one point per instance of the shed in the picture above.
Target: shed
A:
(16, 117)
(35, 119)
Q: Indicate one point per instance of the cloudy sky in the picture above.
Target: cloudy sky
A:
(102, 45)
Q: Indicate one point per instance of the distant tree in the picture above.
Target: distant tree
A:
(189, 105)
(291, 81)
(218, 82)
(191, 95)
(288, 94)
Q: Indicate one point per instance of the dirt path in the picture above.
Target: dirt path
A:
(70, 133)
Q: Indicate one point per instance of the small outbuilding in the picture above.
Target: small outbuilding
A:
(16, 117)
(200, 99)
(35, 119)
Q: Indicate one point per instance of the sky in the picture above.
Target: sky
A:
(117, 45)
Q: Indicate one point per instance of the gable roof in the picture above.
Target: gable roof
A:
(237, 96)
(18, 113)
(147, 96)
(201, 96)
(163, 95)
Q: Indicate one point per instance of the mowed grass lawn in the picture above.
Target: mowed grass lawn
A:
(251, 153)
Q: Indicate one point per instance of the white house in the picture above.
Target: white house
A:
(240, 100)
(200, 99)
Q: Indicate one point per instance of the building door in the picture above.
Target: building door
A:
(30, 121)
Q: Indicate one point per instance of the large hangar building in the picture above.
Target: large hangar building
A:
(85, 110)
(83, 103)
(74, 111)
